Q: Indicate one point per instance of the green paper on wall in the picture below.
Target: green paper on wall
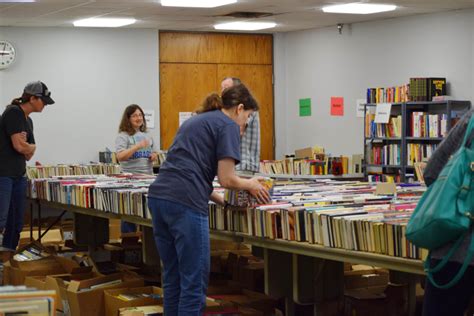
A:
(305, 107)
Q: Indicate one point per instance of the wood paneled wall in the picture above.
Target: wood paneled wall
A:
(192, 65)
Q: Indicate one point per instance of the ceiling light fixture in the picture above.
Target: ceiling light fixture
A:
(244, 26)
(103, 22)
(359, 8)
(196, 3)
(16, 1)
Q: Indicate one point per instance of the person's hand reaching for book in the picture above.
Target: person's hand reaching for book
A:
(259, 191)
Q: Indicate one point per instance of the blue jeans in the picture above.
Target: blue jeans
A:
(453, 301)
(12, 209)
(182, 237)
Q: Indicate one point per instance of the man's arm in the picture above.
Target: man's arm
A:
(21, 145)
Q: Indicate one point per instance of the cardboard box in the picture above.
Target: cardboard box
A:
(246, 298)
(307, 152)
(221, 287)
(113, 303)
(17, 271)
(365, 278)
(59, 284)
(141, 310)
(217, 307)
(84, 300)
(37, 282)
(53, 236)
(114, 229)
(252, 276)
(6, 254)
(364, 302)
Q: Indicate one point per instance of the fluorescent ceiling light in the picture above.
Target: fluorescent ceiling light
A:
(104, 22)
(359, 8)
(15, 1)
(196, 3)
(245, 26)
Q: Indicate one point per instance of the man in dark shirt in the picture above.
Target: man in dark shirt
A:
(17, 145)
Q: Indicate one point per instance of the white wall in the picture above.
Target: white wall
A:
(320, 63)
(93, 75)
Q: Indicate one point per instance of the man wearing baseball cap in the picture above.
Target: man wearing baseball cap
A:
(17, 145)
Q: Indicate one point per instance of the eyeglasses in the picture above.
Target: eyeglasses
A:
(136, 115)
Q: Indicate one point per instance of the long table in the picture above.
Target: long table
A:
(285, 261)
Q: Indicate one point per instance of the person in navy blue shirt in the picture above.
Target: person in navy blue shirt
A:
(206, 145)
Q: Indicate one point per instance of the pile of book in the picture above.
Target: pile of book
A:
(341, 214)
(31, 253)
(324, 165)
(346, 215)
(38, 172)
(21, 300)
(388, 95)
(119, 194)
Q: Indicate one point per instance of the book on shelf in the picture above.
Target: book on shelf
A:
(424, 89)
(380, 154)
(392, 129)
(388, 95)
(419, 170)
(423, 124)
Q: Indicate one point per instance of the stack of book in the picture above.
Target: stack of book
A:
(346, 215)
(38, 172)
(20, 300)
(388, 95)
(318, 166)
(31, 253)
(120, 194)
(341, 214)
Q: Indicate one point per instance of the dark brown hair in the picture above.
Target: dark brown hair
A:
(25, 97)
(232, 96)
(125, 125)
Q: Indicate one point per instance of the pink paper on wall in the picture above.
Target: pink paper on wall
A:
(337, 106)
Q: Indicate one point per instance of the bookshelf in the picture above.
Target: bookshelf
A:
(412, 134)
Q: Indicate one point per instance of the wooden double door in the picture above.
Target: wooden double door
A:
(186, 80)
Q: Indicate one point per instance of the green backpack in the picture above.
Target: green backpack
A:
(445, 210)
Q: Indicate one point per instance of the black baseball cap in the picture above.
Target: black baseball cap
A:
(39, 89)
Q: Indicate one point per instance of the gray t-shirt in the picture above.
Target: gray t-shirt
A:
(140, 161)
